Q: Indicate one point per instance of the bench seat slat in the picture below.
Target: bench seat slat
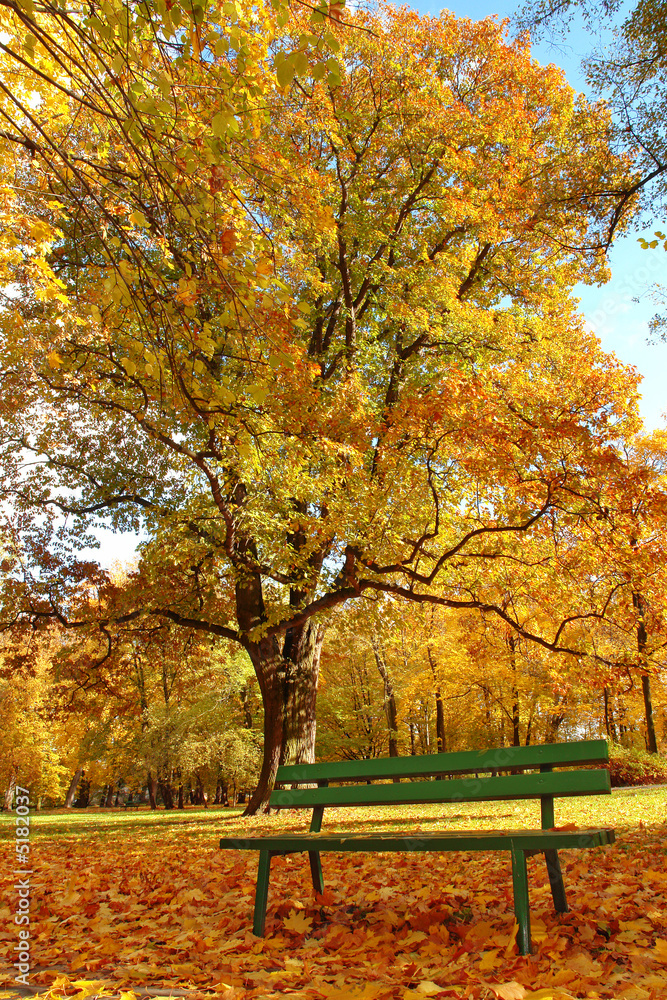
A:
(511, 786)
(486, 840)
(468, 761)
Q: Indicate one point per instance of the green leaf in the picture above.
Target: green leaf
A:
(220, 124)
(285, 72)
(258, 393)
(300, 63)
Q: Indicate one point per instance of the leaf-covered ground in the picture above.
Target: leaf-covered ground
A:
(133, 902)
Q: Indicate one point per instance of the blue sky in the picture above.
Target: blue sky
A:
(619, 322)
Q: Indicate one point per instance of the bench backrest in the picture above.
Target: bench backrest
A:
(440, 779)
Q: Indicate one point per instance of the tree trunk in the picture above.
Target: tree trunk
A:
(389, 696)
(181, 803)
(609, 721)
(71, 793)
(288, 683)
(84, 794)
(440, 734)
(152, 791)
(9, 794)
(642, 638)
(166, 793)
(245, 701)
(516, 735)
(556, 718)
(651, 740)
(201, 796)
(109, 796)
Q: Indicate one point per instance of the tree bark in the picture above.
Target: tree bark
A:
(9, 794)
(389, 695)
(109, 796)
(440, 734)
(245, 701)
(516, 734)
(71, 793)
(288, 683)
(556, 718)
(642, 639)
(609, 722)
(84, 794)
(166, 793)
(651, 739)
(200, 795)
(152, 790)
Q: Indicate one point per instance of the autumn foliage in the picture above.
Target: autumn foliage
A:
(314, 337)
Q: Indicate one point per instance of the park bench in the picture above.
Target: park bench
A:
(471, 776)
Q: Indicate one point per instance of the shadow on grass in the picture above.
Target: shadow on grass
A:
(105, 824)
(80, 823)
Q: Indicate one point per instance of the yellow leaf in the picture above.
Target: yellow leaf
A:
(185, 969)
(297, 922)
(508, 991)
(90, 987)
(660, 949)
(428, 988)
(550, 993)
(489, 960)
(538, 930)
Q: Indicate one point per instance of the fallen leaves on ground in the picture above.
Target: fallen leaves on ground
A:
(154, 908)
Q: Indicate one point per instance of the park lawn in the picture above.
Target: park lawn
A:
(140, 902)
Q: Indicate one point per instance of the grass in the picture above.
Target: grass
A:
(624, 809)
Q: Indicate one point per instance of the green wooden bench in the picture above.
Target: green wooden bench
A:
(472, 776)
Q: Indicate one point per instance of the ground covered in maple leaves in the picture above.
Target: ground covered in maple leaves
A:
(134, 902)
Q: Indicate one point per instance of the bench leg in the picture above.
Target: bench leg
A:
(262, 892)
(316, 871)
(556, 881)
(521, 901)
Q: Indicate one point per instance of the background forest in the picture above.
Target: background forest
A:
(288, 291)
(171, 720)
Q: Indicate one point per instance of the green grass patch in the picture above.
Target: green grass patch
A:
(625, 808)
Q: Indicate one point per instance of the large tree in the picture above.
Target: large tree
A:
(337, 359)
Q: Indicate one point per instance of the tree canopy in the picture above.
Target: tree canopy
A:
(304, 318)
